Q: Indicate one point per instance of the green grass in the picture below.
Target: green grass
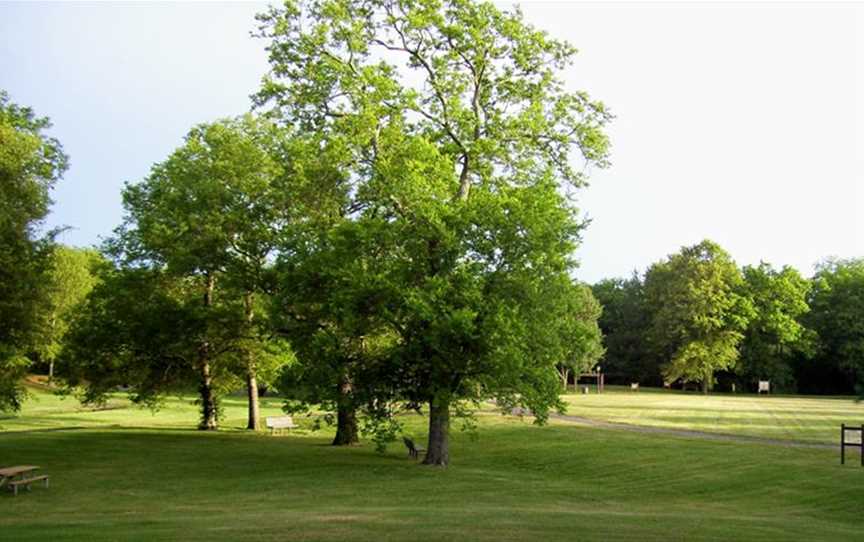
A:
(810, 419)
(152, 478)
(46, 411)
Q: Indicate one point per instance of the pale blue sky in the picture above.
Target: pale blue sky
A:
(743, 123)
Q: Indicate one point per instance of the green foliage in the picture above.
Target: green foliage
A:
(30, 165)
(382, 428)
(836, 315)
(12, 371)
(482, 85)
(581, 334)
(573, 335)
(142, 329)
(71, 276)
(774, 335)
(698, 312)
(625, 323)
(476, 296)
(329, 307)
(211, 204)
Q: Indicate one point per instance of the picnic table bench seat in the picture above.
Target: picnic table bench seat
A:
(26, 482)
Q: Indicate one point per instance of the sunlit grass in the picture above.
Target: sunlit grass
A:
(124, 474)
(46, 411)
(811, 419)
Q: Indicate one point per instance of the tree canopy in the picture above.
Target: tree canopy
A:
(625, 322)
(331, 310)
(142, 329)
(31, 162)
(574, 333)
(698, 311)
(775, 334)
(835, 315)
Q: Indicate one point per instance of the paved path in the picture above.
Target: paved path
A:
(689, 433)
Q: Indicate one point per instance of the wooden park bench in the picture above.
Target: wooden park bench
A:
(413, 449)
(280, 422)
(15, 484)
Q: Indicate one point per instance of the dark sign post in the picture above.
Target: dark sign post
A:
(844, 444)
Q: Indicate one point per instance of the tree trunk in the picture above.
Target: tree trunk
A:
(346, 416)
(254, 422)
(438, 449)
(346, 426)
(53, 336)
(706, 383)
(565, 376)
(208, 401)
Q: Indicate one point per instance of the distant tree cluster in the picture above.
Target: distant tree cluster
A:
(696, 317)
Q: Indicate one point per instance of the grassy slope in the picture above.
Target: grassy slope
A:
(812, 419)
(516, 482)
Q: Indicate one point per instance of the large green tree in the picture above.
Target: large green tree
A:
(460, 138)
(211, 213)
(775, 335)
(31, 162)
(837, 316)
(698, 312)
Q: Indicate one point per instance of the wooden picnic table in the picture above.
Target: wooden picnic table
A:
(12, 472)
(16, 477)
(8, 476)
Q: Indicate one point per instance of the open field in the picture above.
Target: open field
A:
(800, 418)
(153, 478)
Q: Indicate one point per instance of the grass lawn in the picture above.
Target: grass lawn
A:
(124, 474)
(46, 411)
(811, 419)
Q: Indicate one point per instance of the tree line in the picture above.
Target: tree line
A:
(696, 317)
(390, 229)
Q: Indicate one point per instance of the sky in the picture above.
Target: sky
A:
(738, 122)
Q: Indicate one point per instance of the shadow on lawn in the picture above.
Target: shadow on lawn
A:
(4, 432)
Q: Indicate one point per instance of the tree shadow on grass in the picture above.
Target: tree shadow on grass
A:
(4, 432)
